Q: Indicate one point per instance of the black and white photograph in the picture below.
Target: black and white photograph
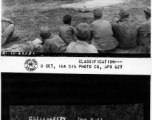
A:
(67, 27)
(75, 97)
(75, 59)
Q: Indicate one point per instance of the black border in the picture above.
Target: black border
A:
(71, 89)
(74, 55)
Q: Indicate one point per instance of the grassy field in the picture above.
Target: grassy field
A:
(30, 15)
(72, 112)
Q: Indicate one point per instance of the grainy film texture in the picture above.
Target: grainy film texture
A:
(78, 112)
(76, 26)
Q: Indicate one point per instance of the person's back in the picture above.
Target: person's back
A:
(145, 28)
(102, 32)
(67, 32)
(81, 47)
(48, 43)
(102, 35)
(54, 45)
(144, 34)
(101, 28)
(125, 31)
(144, 31)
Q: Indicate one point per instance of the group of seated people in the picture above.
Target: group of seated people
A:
(100, 36)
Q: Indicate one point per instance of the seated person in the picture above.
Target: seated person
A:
(83, 44)
(102, 32)
(8, 31)
(125, 31)
(49, 43)
(67, 32)
(144, 31)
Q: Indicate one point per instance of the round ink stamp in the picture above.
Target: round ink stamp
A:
(31, 64)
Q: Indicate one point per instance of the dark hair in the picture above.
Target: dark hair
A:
(97, 13)
(96, 17)
(81, 39)
(45, 32)
(148, 14)
(125, 16)
(44, 36)
(67, 19)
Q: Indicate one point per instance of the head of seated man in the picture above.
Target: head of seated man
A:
(45, 33)
(123, 14)
(147, 12)
(84, 32)
(67, 19)
(97, 14)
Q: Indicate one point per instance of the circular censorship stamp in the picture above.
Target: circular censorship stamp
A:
(31, 65)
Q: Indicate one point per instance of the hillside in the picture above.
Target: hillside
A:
(29, 15)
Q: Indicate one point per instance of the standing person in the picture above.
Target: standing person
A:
(125, 31)
(67, 32)
(49, 43)
(82, 45)
(102, 32)
(144, 31)
(7, 32)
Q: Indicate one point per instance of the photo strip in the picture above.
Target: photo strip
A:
(76, 36)
(75, 97)
(96, 28)
(75, 59)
